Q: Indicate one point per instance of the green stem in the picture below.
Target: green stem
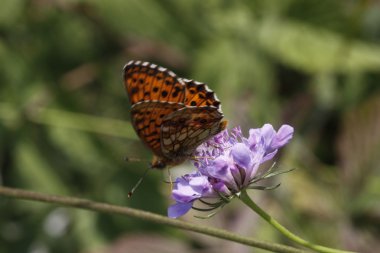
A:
(126, 211)
(248, 201)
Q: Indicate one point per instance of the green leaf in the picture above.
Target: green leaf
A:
(314, 50)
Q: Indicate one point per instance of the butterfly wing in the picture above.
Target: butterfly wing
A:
(199, 94)
(145, 81)
(147, 118)
(182, 131)
(171, 115)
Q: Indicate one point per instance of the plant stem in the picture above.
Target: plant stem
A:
(113, 209)
(249, 202)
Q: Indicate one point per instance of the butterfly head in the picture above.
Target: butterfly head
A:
(158, 163)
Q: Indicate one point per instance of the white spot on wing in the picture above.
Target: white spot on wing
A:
(208, 89)
(195, 133)
(203, 135)
(129, 63)
(166, 141)
(182, 137)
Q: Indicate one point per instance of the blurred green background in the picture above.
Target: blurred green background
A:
(64, 116)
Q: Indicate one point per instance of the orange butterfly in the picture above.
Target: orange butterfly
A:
(171, 115)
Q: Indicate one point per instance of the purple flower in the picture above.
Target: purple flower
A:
(186, 190)
(267, 139)
(227, 164)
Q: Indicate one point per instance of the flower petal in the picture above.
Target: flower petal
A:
(221, 169)
(179, 209)
(261, 137)
(221, 188)
(190, 187)
(199, 183)
(269, 156)
(267, 135)
(241, 155)
(254, 138)
(283, 136)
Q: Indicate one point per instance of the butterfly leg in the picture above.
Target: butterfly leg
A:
(170, 179)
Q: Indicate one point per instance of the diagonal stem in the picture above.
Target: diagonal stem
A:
(249, 202)
(126, 211)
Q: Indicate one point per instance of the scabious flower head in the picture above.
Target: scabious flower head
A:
(227, 164)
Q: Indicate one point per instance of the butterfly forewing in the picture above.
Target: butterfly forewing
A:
(148, 82)
(198, 94)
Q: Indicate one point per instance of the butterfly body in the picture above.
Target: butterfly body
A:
(171, 115)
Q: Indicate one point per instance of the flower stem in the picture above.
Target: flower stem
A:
(249, 202)
(130, 212)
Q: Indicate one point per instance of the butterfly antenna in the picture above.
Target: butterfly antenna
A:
(130, 193)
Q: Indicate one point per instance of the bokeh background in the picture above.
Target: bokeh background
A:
(64, 116)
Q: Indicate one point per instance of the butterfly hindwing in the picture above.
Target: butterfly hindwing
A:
(147, 119)
(184, 130)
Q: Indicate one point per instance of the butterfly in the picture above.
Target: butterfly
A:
(171, 115)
